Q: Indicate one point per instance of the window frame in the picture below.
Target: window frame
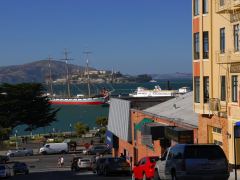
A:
(197, 89)
(236, 37)
(205, 45)
(223, 88)
(222, 40)
(206, 89)
(234, 88)
(196, 47)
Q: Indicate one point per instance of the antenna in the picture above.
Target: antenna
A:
(88, 79)
(66, 59)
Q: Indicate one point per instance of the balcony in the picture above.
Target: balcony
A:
(236, 3)
(223, 6)
(228, 57)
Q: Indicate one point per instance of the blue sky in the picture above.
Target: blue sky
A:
(132, 36)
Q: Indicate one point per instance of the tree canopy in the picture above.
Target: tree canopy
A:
(81, 128)
(24, 104)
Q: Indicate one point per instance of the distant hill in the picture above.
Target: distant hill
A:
(177, 75)
(36, 71)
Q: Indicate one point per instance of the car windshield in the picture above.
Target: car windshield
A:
(206, 152)
(154, 159)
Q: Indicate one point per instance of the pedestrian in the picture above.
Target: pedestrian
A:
(61, 161)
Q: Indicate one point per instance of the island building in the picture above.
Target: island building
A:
(143, 128)
(216, 68)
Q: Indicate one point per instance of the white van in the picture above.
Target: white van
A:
(53, 148)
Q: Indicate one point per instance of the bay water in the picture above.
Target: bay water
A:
(69, 115)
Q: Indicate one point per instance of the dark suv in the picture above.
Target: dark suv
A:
(112, 165)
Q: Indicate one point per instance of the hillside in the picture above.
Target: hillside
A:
(35, 72)
(177, 75)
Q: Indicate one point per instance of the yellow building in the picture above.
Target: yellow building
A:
(216, 68)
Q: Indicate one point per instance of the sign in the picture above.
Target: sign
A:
(237, 130)
(235, 68)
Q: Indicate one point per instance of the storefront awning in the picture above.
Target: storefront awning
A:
(142, 123)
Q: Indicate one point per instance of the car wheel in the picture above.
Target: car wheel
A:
(156, 175)
(98, 172)
(105, 172)
(173, 174)
(133, 177)
(63, 152)
(11, 155)
(44, 152)
(27, 172)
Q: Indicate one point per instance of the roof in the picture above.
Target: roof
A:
(179, 109)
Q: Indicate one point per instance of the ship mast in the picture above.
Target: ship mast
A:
(50, 75)
(66, 59)
(88, 79)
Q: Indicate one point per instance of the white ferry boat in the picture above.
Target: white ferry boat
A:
(183, 90)
(156, 92)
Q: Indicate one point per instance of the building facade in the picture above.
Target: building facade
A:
(216, 68)
(138, 133)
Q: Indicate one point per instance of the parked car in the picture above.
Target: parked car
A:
(4, 159)
(19, 152)
(5, 171)
(144, 169)
(54, 148)
(97, 149)
(20, 168)
(74, 164)
(192, 161)
(84, 163)
(112, 165)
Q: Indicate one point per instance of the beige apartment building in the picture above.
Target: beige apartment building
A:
(216, 71)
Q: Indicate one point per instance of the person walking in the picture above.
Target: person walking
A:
(61, 161)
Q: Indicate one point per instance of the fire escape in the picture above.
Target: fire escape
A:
(230, 59)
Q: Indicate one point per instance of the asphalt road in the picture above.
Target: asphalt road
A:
(44, 167)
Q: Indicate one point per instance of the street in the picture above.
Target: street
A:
(44, 167)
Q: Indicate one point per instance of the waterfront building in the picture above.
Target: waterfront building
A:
(216, 68)
(139, 129)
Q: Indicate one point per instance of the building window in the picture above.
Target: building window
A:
(196, 89)
(222, 40)
(236, 37)
(223, 88)
(205, 6)
(205, 45)
(234, 88)
(196, 46)
(217, 130)
(196, 7)
(206, 89)
(217, 142)
(222, 2)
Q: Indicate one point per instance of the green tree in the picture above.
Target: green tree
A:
(81, 128)
(25, 104)
(102, 121)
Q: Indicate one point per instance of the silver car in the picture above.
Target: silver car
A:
(85, 163)
(192, 161)
(19, 152)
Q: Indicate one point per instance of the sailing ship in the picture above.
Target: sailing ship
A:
(99, 99)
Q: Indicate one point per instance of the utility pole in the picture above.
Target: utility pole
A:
(66, 59)
(88, 79)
